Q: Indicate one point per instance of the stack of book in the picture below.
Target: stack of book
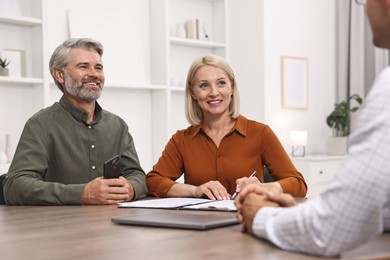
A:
(195, 30)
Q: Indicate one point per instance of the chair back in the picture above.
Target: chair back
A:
(2, 201)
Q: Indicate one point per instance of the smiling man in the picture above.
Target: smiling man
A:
(60, 155)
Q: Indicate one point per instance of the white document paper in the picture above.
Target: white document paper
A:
(182, 203)
(165, 203)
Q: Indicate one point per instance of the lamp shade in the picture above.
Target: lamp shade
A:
(298, 138)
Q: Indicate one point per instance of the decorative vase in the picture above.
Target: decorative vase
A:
(337, 145)
(4, 72)
(8, 148)
(3, 158)
(181, 30)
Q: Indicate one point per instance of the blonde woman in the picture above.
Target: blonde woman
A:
(221, 148)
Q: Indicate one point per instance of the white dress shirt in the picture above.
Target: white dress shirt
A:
(356, 205)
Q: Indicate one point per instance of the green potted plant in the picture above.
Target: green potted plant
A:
(3, 67)
(339, 121)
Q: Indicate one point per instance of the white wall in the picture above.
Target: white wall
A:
(262, 32)
(246, 55)
(304, 28)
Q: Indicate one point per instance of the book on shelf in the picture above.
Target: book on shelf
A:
(192, 28)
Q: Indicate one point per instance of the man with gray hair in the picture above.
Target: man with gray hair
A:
(60, 155)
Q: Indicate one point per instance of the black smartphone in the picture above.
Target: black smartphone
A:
(111, 168)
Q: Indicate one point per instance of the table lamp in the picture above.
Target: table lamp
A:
(298, 143)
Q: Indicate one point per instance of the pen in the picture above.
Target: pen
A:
(212, 208)
(236, 193)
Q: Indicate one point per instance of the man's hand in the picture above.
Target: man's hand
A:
(107, 191)
(248, 208)
(283, 199)
(254, 197)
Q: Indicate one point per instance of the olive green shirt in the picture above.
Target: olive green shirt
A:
(59, 152)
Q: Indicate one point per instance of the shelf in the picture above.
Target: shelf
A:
(195, 43)
(20, 80)
(177, 89)
(129, 85)
(20, 20)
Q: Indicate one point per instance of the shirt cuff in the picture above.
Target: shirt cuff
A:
(262, 220)
(73, 194)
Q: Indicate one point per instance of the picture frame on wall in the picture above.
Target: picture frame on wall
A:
(294, 82)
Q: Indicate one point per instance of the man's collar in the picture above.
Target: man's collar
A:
(79, 114)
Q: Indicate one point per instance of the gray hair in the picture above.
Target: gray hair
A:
(60, 57)
(192, 110)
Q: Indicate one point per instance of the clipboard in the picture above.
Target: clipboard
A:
(214, 205)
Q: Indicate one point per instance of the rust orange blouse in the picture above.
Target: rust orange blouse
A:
(247, 147)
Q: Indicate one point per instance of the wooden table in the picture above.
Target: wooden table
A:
(86, 232)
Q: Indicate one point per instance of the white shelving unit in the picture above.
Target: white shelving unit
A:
(23, 21)
(22, 96)
(170, 58)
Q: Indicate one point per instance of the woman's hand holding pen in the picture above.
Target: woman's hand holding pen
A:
(245, 181)
(241, 183)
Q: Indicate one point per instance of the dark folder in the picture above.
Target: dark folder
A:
(177, 220)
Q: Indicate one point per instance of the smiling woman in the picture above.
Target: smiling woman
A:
(221, 148)
(213, 92)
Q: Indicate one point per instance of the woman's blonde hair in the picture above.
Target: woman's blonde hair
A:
(193, 111)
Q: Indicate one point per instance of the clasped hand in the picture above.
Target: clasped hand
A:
(256, 196)
(107, 191)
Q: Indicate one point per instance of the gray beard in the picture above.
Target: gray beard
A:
(79, 92)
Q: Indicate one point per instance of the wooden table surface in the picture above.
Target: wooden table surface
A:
(86, 232)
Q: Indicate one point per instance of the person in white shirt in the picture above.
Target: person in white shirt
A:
(356, 205)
